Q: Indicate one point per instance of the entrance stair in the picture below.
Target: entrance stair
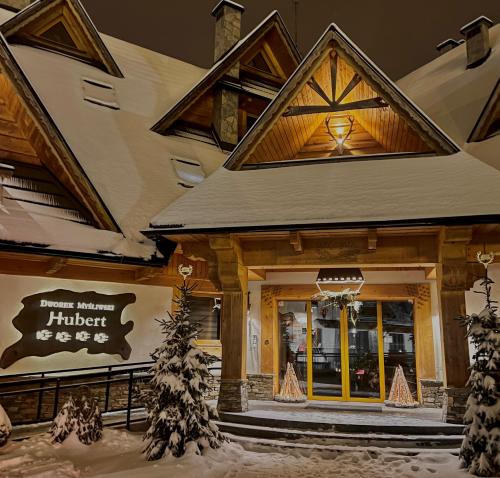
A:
(340, 428)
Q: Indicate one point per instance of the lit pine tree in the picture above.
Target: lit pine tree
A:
(177, 411)
(480, 452)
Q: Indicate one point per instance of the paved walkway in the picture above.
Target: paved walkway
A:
(334, 413)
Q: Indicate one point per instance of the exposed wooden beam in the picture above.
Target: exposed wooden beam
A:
(257, 274)
(372, 239)
(333, 73)
(355, 80)
(317, 88)
(334, 108)
(55, 265)
(147, 273)
(414, 251)
(296, 241)
(430, 273)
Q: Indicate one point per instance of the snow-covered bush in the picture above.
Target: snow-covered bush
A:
(480, 452)
(5, 427)
(81, 418)
(178, 414)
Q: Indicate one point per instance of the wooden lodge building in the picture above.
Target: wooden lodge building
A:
(273, 175)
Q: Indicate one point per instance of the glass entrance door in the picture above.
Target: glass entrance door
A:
(345, 356)
(338, 358)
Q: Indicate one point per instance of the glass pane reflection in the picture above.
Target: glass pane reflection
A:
(399, 342)
(364, 374)
(293, 340)
(326, 358)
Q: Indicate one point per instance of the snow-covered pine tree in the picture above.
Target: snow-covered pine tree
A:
(89, 421)
(81, 417)
(5, 427)
(177, 411)
(65, 421)
(480, 452)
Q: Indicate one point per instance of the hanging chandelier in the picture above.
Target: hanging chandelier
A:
(344, 299)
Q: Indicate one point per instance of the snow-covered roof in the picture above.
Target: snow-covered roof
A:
(454, 96)
(418, 189)
(129, 165)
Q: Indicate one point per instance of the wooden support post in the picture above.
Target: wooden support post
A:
(452, 284)
(233, 278)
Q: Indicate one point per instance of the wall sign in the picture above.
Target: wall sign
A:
(66, 321)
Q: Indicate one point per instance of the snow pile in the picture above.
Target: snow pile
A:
(480, 452)
(5, 427)
(118, 455)
(79, 419)
(177, 411)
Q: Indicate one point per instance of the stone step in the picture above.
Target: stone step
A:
(346, 407)
(342, 439)
(386, 428)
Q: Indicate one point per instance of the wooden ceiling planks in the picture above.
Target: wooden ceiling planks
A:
(386, 127)
(376, 130)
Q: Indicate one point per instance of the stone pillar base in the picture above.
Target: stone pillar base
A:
(233, 396)
(432, 393)
(260, 386)
(455, 405)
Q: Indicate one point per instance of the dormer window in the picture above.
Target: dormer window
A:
(189, 172)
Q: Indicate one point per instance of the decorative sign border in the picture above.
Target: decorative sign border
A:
(65, 321)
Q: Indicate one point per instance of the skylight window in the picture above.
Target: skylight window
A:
(99, 93)
(189, 172)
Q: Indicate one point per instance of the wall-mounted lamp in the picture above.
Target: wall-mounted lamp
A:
(339, 134)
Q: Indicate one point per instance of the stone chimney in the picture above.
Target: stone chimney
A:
(15, 5)
(227, 26)
(226, 101)
(448, 45)
(477, 40)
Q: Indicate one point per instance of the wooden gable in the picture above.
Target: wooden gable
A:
(46, 172)
(265, 59)
(338, 105)
(488, 123)
(61, 26)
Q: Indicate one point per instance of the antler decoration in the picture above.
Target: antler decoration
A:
(340, 139)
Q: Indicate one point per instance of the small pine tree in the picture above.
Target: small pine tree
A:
(65, 421)
(81, 417)
(5, 427)
(89, 421)
(480, 452)
(177, 411)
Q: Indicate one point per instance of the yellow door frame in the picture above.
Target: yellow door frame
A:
(344, 359)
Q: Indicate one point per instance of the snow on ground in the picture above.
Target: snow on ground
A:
(118, 455)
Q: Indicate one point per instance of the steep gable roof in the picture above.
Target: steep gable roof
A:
(452, 94)
(272, 22)
(40, 143)
(316, 90)
(62, 26)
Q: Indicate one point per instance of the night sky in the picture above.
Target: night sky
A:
(399, 35)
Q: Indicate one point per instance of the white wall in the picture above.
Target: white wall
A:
(151, 302)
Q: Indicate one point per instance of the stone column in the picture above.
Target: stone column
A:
(452, 283)
(226, 101)
(233, 277)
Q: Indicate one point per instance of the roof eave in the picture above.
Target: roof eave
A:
(166, 231)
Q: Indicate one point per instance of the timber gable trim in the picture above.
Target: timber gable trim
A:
(335, 39)
(489, 116)
(223, 65)
(64, 164)
(31, 24)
